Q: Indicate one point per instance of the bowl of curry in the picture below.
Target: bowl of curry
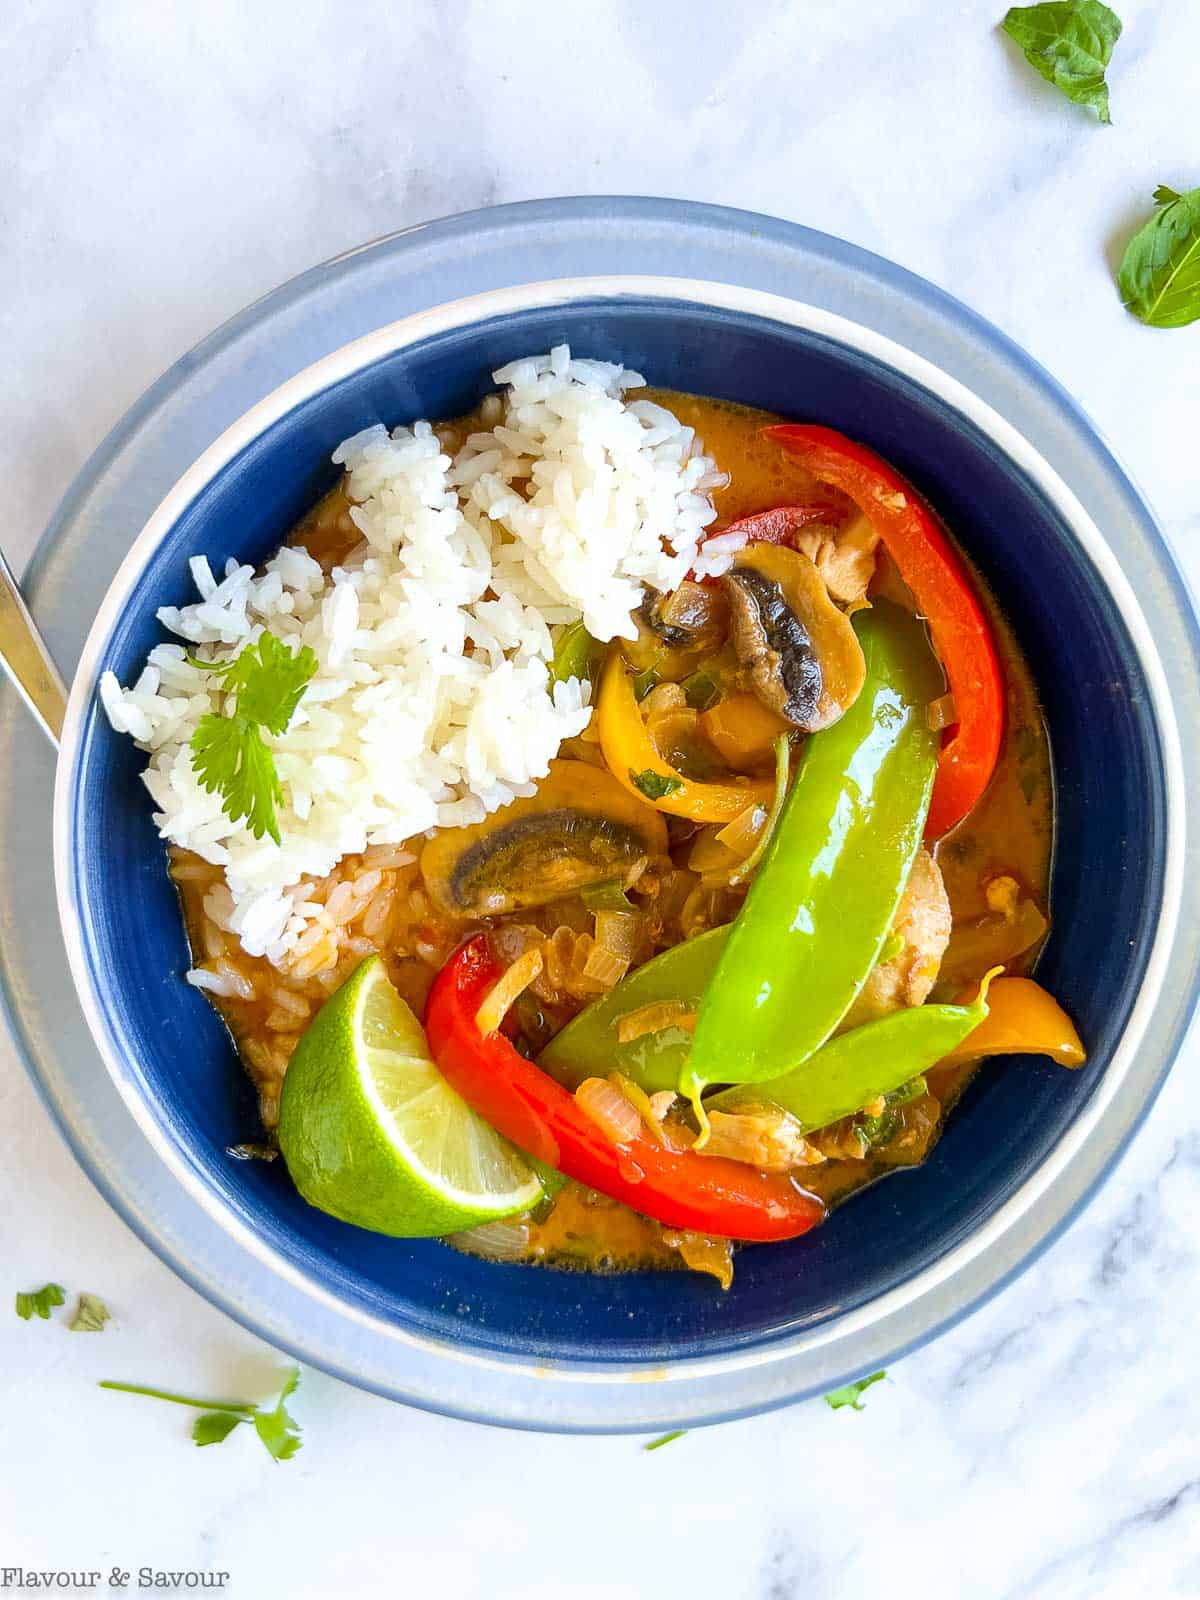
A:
(762, 994)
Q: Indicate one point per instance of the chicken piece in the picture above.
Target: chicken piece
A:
(923, 922)
(844, 557)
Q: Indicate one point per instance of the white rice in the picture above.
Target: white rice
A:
(431, 704)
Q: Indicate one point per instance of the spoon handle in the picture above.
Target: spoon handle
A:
(26, 660)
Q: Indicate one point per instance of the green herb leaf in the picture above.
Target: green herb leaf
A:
(278, 1429)
(90, 1315)
(214, 1426)
(1159, 278)
(653, 784)
(879, 1130)
(39, 1301)
(576, 655)
(607, 896)
(849, 1394)
(230, 759)
(701, 690)
(1164, 195)
(1070, 42)
(229, 754)
(666, 1438)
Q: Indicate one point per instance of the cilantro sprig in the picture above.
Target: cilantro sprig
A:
(229, 754)
(275, 1426)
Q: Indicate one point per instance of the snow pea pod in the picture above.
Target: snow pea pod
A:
(588, 1046)
(859, 1066)
(823, 901)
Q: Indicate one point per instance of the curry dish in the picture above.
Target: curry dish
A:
(747, 941)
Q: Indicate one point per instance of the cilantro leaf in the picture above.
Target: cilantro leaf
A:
(278, 1429)
(39, 1301)
(1159, 277)
(849, 1394)
(666, 1438)
(90, 1315)
(229, 754)
(653, 784)
(1070, 42)
(269, 687)
(214, 1426)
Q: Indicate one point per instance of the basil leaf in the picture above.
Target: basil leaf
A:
(1159, 278)
(653, 784)
(1164, 195)
(1070, 42)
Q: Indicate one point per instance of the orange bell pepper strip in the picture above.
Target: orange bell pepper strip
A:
(1022, 1019)
(941, 587)
(635, 762)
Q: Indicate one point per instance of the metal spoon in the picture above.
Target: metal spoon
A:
(26, 660)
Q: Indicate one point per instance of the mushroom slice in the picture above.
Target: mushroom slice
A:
(581, 827)
(800, 654)
(677, 630)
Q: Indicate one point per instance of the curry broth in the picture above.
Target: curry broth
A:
(1009, 832)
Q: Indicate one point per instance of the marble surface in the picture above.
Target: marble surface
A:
(160, 166)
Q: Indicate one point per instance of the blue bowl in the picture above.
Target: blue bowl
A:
(1118, 837)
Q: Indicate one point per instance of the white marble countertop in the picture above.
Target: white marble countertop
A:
(161, 166)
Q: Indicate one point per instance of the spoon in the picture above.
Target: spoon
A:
(26, 660)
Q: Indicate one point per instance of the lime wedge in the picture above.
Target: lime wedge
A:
(373, 1134)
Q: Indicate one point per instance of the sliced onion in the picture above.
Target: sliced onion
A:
(619, 932)
(766, 1137)
(659, 1014)
(740, 834)
(942, 713)
(604, 967)
(616, 1117)
(502, 994)
(497, 1241)
(638, 1097)
(702, 1253)
(783, 758)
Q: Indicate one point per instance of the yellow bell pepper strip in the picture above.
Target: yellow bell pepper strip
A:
(635, 762)
(822, 904)
(866, 1063)
(742, 729)
(942, 589)
(1022, 1020)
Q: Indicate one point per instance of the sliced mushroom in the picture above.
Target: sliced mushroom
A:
(675, 630)
(581, 827)
(798, 651)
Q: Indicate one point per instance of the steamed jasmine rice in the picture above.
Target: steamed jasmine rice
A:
(432, 703)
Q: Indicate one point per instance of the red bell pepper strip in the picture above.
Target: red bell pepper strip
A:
(942, 590)
(781, 524)
(708, 1194)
